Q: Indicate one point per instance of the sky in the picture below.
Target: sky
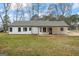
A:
(43, 9)
(75, 9)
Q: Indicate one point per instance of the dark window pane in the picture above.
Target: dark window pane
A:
(19, 29)
(29, 29)
(24, 29)
(44, 29)
(61, 29)
(10, 29)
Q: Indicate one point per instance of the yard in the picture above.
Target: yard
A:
(38, 45)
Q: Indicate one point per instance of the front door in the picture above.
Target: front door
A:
(50, 30)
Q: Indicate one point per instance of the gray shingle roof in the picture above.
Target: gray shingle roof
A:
(39, 23)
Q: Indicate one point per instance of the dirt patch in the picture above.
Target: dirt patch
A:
(73, 33)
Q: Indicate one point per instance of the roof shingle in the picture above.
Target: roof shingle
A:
(39, 23)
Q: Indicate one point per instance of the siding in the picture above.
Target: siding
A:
(35, 30)
(15, 31)
(56, 30)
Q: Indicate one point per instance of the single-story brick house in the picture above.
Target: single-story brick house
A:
(38, 27)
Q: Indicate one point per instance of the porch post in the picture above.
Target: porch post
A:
(47, 29)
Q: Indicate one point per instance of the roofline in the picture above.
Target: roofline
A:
(38, 26)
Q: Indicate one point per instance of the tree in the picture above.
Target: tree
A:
(53, 9)
(35, 9)
(49, 18)
(64, 9)
(5, 22)
(18, 9)
(22, 10)
(61, 17)
(28, 10)
(22, 13)
(5, 18)
(74, 18)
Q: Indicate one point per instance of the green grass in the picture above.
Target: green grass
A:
(34, 45)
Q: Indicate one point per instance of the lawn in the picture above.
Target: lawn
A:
(34, 45)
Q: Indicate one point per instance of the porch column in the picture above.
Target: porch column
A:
(46, 29)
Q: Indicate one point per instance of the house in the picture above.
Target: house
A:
(38, 27)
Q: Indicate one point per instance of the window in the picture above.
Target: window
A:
(19, 29)
(62, 29)
(44, 29)
(68, 28)
(10, 29)
(29, 29)
(24, 29)
(40, 29)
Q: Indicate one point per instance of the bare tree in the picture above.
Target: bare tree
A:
(58, 9)
(35, 8)
(53, 10)
(22, 13)
(28, 10)
(21, 10)
(18, 11)
(65, 9)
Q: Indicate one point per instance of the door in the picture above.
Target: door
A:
(50, 30)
